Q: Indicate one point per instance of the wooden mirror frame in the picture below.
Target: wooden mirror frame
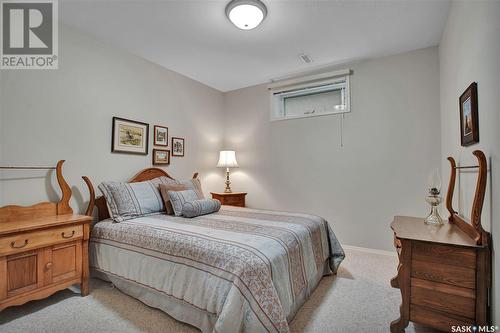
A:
(474, 229)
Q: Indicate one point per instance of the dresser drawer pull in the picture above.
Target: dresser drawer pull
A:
(13, 245)
(67, 236)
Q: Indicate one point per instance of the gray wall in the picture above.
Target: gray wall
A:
(471, 52)
(391, 144)
(66, 114)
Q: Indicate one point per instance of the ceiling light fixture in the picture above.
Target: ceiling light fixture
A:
(246, 14)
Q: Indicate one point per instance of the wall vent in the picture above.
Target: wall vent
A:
(306, 59)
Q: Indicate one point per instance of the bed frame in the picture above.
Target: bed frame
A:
(100, 202)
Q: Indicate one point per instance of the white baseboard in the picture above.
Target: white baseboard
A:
(374, 251)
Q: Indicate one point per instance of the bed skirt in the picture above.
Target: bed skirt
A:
(178, 309)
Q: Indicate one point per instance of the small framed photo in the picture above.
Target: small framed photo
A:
(160, 135)
(469, 120)
(129, 136)
(161, 157)
(178, 146)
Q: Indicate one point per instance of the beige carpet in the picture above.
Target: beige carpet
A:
(358, 299)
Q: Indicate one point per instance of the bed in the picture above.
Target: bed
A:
(237, 270)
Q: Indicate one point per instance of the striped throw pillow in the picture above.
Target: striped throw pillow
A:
(200, 207)
(126, 201)
(179, 198)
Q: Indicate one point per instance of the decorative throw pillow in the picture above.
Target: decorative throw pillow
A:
(179, 198)
(200, 207)
(126, 201)
(164, 188)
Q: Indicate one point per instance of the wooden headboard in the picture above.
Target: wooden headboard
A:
(100, 202)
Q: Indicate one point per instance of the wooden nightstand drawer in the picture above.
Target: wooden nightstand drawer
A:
(231, 199)
(32, 240)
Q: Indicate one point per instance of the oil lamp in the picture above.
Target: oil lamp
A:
(433, 199)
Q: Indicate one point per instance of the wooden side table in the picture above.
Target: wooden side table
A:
(230, 199)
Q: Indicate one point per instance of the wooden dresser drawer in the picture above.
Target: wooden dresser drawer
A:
(31, 240)
(437, 319)
(443, 297)
(441, 254)
(454, 266)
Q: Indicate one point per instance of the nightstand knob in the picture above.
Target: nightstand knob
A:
(48, 266)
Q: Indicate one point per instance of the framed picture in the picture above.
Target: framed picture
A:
(469, 120)
(161, 157)
(129, 136)
(178, 146)
(160, 136)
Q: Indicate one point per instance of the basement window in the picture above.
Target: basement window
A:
(318, 95)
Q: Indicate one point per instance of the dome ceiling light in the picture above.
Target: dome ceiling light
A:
(246, 14)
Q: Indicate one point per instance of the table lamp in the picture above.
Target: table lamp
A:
(227, 159)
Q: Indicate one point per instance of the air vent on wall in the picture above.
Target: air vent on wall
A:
(306, 59)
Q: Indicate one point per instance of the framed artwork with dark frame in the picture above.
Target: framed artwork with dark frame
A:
(161, 157)
(160, 135)
(129, 136)
(469, 119)
(178, 147)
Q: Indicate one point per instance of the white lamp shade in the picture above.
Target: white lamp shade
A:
(227, 159)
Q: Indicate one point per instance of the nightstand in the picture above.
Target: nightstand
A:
(230, 199)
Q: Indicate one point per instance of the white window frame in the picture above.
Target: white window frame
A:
(300, 86)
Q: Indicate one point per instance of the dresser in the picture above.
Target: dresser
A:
(39, 256)
(43, 249)
(441, 275)
(444, 271)
(230, 199)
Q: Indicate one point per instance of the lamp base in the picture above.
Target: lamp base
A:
(433, 218)
(228, 183)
